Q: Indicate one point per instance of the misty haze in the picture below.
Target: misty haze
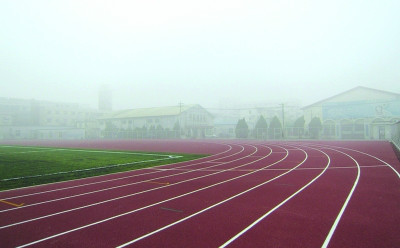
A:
(270, 109)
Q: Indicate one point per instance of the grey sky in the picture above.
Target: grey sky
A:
(154, 53)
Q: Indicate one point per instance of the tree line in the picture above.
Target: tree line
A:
(274, 130)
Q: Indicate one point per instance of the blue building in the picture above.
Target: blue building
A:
(359, 113)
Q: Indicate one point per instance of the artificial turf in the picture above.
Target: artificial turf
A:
(22, 166)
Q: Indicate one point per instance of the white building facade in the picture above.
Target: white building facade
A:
(191, 121)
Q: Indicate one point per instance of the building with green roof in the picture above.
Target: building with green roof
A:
(185, 120)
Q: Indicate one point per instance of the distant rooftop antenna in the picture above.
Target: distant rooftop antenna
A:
(105, 99)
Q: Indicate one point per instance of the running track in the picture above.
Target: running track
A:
(246, 194)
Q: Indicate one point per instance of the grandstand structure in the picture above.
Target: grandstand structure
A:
(359, 113)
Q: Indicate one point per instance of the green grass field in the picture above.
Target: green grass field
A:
(26, 166)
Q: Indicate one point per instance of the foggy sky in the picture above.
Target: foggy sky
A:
(159, 53)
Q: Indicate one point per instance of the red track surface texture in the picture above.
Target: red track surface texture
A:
(247, 194)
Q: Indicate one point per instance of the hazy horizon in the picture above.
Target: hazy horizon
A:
(161, 53)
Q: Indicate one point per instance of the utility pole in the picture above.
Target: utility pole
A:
(180, 107)
(283, 120)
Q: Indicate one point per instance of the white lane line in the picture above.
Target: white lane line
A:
(108, 188)
(283, 169)
(125, 196)
(154, 204)
(280, 204)
(394, 170)
(214, 205)
(339, 216)
(116, 179)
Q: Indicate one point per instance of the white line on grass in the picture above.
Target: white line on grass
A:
(88, 150)
(115, 179)
(124, 185)
(88, 169)
(125, 177)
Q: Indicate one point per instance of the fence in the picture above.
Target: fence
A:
(395, 131)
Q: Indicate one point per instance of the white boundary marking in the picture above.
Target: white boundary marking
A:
(85, 150)
(45, 149)
(124, 185)
(120, 186)
(115, 179)
(88, 169)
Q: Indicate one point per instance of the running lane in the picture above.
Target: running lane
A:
(268, 194)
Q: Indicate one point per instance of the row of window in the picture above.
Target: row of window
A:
(194, 117)
(59, 121)
(57, 112)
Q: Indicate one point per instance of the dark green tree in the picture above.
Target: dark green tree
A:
(242, 129)
(299, 126)
(315, 127)
(261, 128)
(275, 128)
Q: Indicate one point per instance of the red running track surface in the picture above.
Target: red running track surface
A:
(246, 194)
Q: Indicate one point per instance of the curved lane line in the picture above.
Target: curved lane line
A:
(370, 155)
(280, 204)
(216, 204)
(154, 204)
(339, 216)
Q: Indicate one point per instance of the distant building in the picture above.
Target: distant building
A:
(191, 121)
(34, 119)
(359, 113)
(224, 127)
